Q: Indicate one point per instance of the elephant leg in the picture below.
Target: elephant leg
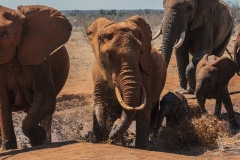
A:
(126, 119)
(154, 115)
(103, 120)
(201, 102)
(7, 131)
(229, 108)
(46, 123)
(182, 57)
(6, 123)
(190, 73)
(100, 131)
(143, 129)
(218, 107)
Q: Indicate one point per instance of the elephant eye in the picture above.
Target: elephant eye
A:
(89, 33)
(108, 36)
(189, 8)
(3, 34)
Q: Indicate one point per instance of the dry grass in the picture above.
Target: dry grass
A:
(199, 133)
(85, 18)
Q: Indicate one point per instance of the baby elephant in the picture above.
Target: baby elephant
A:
(212, 78)
(237, 51)
(174, 107)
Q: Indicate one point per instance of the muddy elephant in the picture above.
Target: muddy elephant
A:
(34, 66)
(174, 106)
(212, 78)
(237, 51)
(199, 27)
(128, 76)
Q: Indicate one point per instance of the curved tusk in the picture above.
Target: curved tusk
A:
(125, 106)
(158, 33)
(181, 40)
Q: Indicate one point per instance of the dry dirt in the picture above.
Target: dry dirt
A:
(72, 121)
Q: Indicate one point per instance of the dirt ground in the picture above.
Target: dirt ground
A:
(72, 121)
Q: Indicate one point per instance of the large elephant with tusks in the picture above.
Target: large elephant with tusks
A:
(196, 27)
(129, 75)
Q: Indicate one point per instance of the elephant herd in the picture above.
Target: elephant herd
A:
(128, 73)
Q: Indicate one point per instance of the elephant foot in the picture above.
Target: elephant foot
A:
(234, 126)
(218, 115)
(9, 145)
(183, 91)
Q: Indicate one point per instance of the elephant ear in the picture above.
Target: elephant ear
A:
(145, 38)
(203, 12)
(203, 62)
(46, 30)
(94, 30)
(183, 101)
(226, 69)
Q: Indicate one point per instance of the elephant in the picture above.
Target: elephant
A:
(34, 66)
(212, 78)
(237, 52)
(128, 75)
(197, 27)
(174, 106)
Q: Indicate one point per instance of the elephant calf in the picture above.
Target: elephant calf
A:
(30, 79)
(237, 51)
(173, 106)
(129, 75)
(212, 78)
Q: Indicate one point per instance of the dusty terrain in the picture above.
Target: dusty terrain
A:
(72, 122)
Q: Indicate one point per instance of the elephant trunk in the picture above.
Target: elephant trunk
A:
(125, 106)
(200, 98)
(237, 56)
(131, 93)
(162, 114)
(129, 83)
(173, 28)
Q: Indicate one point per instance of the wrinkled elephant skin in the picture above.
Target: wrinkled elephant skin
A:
(173, 106)
(30, 79)
(128, 76)
(212, 77)
(201, 27)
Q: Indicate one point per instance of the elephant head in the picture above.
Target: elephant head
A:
(31, 33)
(237, 51)
(180, 16)
(121, 51)
(174, 107)
(213, 72)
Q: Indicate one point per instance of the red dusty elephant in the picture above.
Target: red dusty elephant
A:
(30, 79)
(129, 75)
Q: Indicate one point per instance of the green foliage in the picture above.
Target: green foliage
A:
(112, 12)
(121, 14)
(102, 11)
(147, 11)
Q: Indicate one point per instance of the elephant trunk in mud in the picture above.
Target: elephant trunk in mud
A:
(237, 52)
(174, 107)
